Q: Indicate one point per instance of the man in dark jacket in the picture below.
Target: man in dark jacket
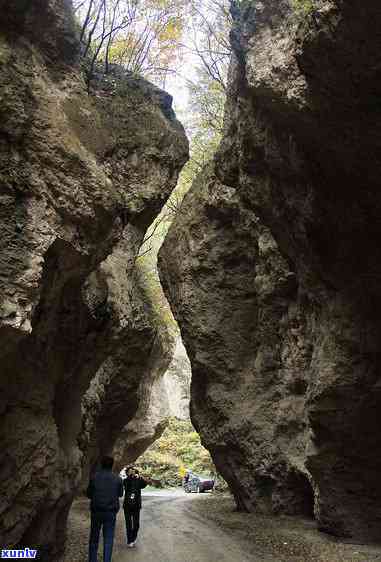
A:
(104, 491)
(132, 505)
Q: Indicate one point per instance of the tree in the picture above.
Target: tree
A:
(140, 35)
(211, 23)
(206, 44)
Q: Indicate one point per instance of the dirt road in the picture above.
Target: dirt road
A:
(172, 532)
(178, 527)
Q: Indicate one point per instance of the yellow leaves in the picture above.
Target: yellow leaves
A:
(166, 4)
(151, 44)
(193, 437)
(304, 7)
(158, 4)
(122, 48)
(172, 31)
(144, 36)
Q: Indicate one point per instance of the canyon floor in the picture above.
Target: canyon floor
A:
(176, 527)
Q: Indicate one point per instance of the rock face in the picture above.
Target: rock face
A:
(274, 279)
(177, 380)
(81, 178)
(168, 396)
(237, 306)
(135, 371)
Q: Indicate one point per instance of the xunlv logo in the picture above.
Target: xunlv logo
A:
(23, 553)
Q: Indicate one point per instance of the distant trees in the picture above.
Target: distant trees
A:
(208, 43)
(207, 50)
(178, 447)
(140, 35)
(150, 37)
(151, 47)
(211, 23)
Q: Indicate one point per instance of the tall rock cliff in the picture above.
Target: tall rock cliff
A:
(81, 178)
(275, 277)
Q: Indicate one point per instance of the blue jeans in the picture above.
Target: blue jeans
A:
(107, 520)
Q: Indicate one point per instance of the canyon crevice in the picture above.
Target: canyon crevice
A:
(81, 178)
(272, 267)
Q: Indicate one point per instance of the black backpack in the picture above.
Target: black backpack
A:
(131, 500)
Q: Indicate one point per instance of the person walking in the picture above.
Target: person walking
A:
(104, 491)
(132, 504)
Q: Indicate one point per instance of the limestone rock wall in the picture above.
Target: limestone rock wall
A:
(275, 279)
(177, 381)
(168, 396)
(246, 335)
(81, 178)
(147, 425)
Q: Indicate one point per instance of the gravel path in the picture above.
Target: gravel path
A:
(205, 528)
(287, 539)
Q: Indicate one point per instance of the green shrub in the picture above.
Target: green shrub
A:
(303, 7)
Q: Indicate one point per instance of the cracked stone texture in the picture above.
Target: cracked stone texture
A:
(236, 301)
(278, 294)
(81, 178)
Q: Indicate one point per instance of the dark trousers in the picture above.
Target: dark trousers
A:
(132, 524)
(99, 520)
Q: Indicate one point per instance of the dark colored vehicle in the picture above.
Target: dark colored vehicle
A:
(198, 484)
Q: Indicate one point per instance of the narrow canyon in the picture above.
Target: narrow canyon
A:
(271, 268)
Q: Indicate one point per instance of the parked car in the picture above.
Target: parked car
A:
(197, 483)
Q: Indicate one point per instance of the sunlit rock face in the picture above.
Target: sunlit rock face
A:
(177, 380)
(166, 396)
(281, 317)
(81, 178)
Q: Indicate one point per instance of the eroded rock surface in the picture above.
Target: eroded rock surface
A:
(245, 333)
(177, 380)
(275, 276)
(167, 396)
(81, 178)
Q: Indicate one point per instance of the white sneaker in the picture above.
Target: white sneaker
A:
(130, 545)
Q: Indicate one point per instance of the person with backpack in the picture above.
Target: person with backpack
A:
(132, 505)
(104, 491)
